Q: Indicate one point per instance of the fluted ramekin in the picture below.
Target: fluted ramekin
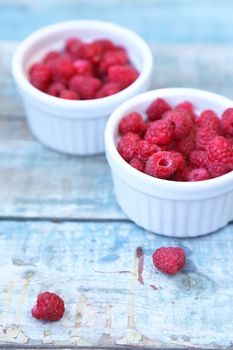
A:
(75, 127)
(170, 208)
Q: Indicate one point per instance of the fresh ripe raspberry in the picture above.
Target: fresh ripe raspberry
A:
(52, 55)
(92, 52)
(179, 160)
(227, 121)
(220, 151)
(137, 164)
(124, 75)
(198, 158)
(160, 132)
(182, 121)
(105, 44)
(181, 175)
(127, 146)
(209, 119)
(169, 260)
(161, 165)
(203, 136)
(216, 169)
(198, 174)
(146, 149)
(185, 105)
(83, 67)
(62, 68)
(49, 307)
(74, 47)
(111, 58)
(86, 87)
(55, 89)
(132, 122)
(40, 76)
(69, 95)
(108, 89)
(157, 108)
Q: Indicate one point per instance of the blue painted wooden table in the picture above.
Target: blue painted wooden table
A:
(60, 226)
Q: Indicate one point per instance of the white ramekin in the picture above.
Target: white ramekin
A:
(178, 209)
(75, 127)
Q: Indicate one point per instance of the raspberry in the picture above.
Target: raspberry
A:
(132, 122)
(198, 174)
(227, 121)
(83, 67)
(40, 76)
(137, 164)
(105, 44)
(49, 307)
(127, 146)
(186, 105)
(161, 165)
(55, 89)
(111, 58)
(86, 87)
(220, 151)
(124, 75)
(69, 95)
(216, 169)
(182, 121)
(74, 46)
(169, 260)
(160, 132)
(209, 119)
(198, 158)
(62, 68)
(146, 149)
(203, 136)
(108, 89)
(179, 160)
(157, 108)
(181, 175)
(92, 52)
(50, 57)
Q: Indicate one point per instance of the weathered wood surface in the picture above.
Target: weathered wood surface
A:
(45, 184)
(113, 298)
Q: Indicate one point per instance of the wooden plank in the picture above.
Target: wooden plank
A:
(113, 297)
(183, 21)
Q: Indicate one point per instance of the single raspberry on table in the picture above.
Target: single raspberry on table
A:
(69, 95)
(83, 67)
(40, 76)
(55, 89)
(111, 58)
(127, 146)
(86, 87)
(198, 158)
(146, 149)
(132, 122)
(209, 119)
(161, 165)
(160, 132)
(124, 75)
(49, 307)
(169, 260)
(182, 120)
(108, 89)
(137, 164)
(157, 108)
(198, 174)
(227, 121)
(220, 151)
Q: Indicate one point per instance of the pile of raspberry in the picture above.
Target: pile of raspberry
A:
(84, 71)
(176, 144)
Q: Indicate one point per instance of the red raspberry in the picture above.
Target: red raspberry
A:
(157, 108)
(146, 149)
(198, 174)
(185, 105)
(220, 151)
(169, 260)
(160, 132)
(209, 119)
(52, 55)
(179, 160)
(216, 169)
(186, 144)
(83, 67)
(132, 122)
(227, 121)
(182, 121)
(111, 58)
(62, 69)
(86, 87)
(161, 165)
(40, 76)
(55, 89)
(49, 307)
(127, 146)
(92, 52)
(74, 46)
(69, 95)
(181, 175)
(137, 164)
(198, 158)
(124, 75)
(108, 89)
(203, 137)
(105, 44)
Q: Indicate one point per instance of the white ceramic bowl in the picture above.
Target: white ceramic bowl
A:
(179, 209)
(75, 127)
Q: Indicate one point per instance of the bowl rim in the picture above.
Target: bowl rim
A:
(82, 105)
(152, 185)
